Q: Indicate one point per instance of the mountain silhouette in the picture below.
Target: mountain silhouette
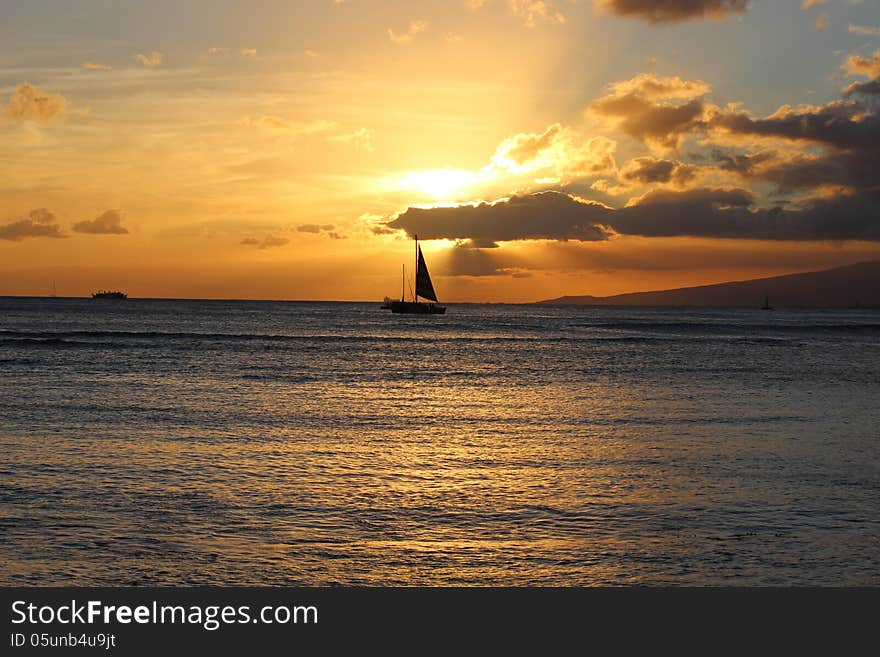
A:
(849, 286)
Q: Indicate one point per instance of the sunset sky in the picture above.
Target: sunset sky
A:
(290, 150)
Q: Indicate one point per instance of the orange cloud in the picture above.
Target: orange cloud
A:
(532, 11)
(557, 150)
(858, 65)
(152, 60)
(28, 103)
(415, 27)
(278, 124)
(644, 108)
(95, 66)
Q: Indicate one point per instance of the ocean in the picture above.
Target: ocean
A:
(172, 442)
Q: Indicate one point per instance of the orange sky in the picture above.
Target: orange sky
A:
(217, 151)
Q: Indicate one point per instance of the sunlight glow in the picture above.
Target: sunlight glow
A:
(439, 184)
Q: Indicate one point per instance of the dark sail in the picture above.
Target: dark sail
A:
(424, 287)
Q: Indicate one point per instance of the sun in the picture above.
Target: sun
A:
(438, 184)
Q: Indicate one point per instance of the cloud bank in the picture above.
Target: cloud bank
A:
(39, 223)
(109, 223)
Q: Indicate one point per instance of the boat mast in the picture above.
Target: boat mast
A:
(416, 292)
(403, 285)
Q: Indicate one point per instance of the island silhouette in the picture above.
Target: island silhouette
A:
(850, 286)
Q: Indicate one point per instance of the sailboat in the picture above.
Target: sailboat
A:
(424, 289)
(766, 305)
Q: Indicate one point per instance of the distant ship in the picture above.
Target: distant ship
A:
(424, 289)
(107, 294)
(766, 305)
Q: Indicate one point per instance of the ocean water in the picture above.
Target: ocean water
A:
(151, 442)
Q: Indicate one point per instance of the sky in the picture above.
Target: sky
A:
(539, 148)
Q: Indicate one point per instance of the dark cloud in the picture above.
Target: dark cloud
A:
(546, 215)
(715, 213)
(326, 229)
(727, 214)
(109, 223)
(708, 213)
(39, 223)
(741, 163)
(314, 228)
(651, 170)
(266, 243)
(871, 88)
(839, 124)
(674, 11)
(842, 140)
(854, 171)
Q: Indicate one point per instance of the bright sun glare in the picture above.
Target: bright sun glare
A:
(439, 184)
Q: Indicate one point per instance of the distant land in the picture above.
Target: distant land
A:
(842, 287)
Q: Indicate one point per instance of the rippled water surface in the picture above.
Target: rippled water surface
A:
(208, 442)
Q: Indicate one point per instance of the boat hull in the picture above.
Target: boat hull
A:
(416, 308)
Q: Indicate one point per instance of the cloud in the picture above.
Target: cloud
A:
(867, 30)
(657, 111)
(871, 88)
(524, 148)
(822, 22)
(267, 242)
(278, 124)
(247, 52)
(545, 215)
(741, 163)
(646, 170)
(858, 65)
(532, 11)
(702, 212)
(830, 148)
(839, 124)
(847, 170)
(316, 229)
(95, 66)
(109, 223)
(361, 139)
(557, 150)
(313, 228)
(28, 103)
(152, 60)
(651, 87)
(415, 27)
(809, 4)
(673, 11)
(39, 223)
